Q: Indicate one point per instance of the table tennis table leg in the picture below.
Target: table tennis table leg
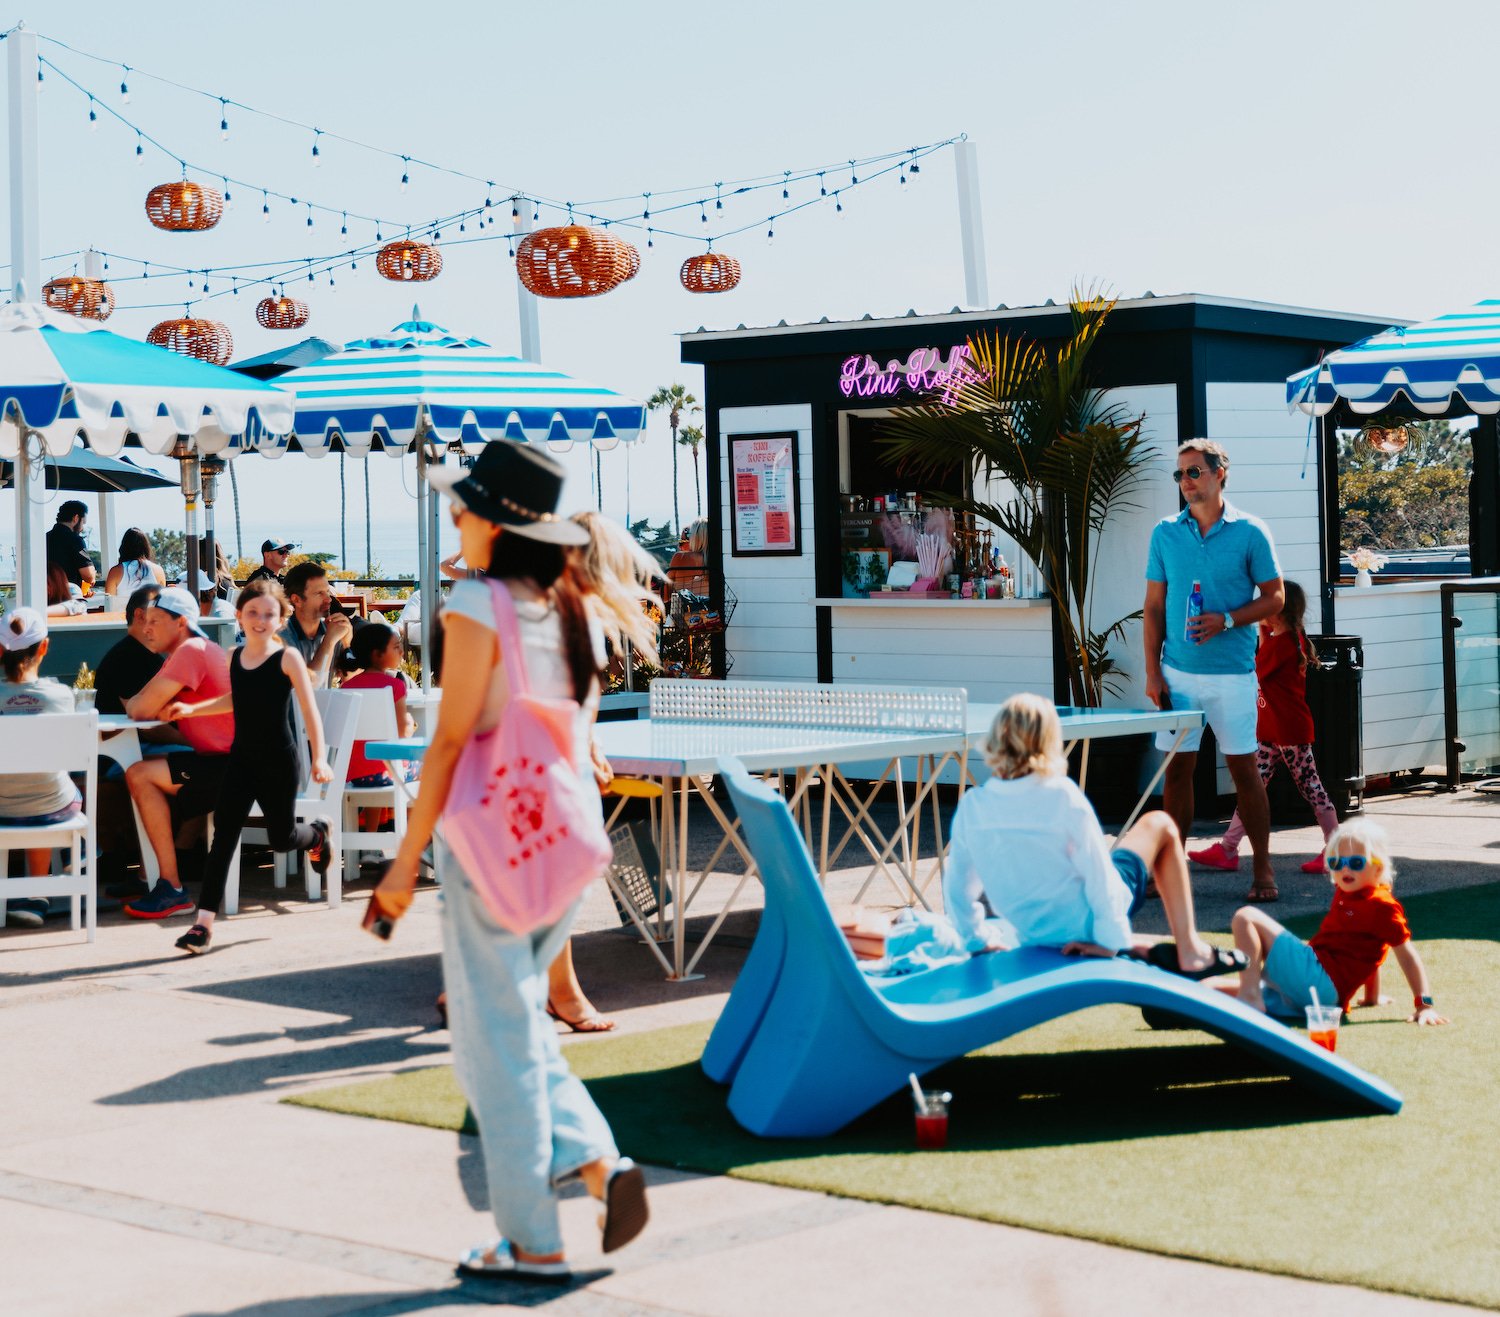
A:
(1157, 777)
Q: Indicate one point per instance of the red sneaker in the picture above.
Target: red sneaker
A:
(1315, 865)
(1216, 857)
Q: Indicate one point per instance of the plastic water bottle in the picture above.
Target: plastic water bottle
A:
(1194, 609)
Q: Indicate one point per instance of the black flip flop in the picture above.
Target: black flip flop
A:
(1164, 956)
(625, 1211)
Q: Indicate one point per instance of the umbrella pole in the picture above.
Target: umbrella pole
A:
(426, 569)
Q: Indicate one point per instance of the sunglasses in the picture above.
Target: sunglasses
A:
(1354, 863)
(1191, 473)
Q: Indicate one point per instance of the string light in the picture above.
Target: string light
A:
(140, 150)
(124, 83)
(265, 208)
(317, 155)
(93, 117)
(405, 171)
(228, 196)
(786, 176)
(223, 120)
(344, 226)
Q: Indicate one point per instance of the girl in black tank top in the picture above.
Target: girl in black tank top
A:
(263, 764)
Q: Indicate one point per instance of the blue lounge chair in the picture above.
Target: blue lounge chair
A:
(808, 1042)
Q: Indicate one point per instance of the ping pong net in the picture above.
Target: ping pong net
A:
(936, 709)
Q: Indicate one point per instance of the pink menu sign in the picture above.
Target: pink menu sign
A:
(763, 490)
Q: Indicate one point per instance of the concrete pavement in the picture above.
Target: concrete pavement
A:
(147, 1167)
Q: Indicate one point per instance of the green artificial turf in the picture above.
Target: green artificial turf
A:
(1097, 1127)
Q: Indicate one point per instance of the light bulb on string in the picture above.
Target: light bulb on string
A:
(93, 117)
(309, 271)
(902, 179)
(236, 289)
(378, 235)
(646, 214)
(649, 232)
(405, 171)
(228, 198)
(344, 227)
(317, 155)
(702, 213)
(853, 177)
(837, 204)
(309, 215)
(125, 83)
(786, 175)
(770, 232)
(822, 186)
(915, 167)
(718, 198)
(41, 80)
(536, 214)
(332, 287)
(510, 247)
(223, 120)
(140, 151)
(265, 208)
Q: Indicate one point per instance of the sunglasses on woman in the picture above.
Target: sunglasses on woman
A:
(1354, 863)
(1191, 472)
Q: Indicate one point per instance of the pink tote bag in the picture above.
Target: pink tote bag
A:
(524, 825)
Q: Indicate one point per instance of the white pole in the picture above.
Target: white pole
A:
(531, 332)
(426, 577)
(26, 280)
(971, 224)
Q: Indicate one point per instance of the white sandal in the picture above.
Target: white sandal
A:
(473, 1262)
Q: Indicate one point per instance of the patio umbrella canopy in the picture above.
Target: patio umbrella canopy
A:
(421, 387)
(419, 377)
(63, 379)
(85, 472)
(1422, 366)
(66, 378)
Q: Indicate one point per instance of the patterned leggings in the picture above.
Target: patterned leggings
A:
(1299, 762)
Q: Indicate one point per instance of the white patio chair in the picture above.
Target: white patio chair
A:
(340, 712)
(55, 743)
(376, 722)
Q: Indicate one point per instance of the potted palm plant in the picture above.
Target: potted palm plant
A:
(1027, 414)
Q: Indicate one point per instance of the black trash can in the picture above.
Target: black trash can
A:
(1334, 683)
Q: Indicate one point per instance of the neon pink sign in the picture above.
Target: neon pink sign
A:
(926, 371)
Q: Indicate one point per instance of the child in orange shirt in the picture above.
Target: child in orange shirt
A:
(1363, 923)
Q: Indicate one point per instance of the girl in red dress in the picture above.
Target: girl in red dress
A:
(1284, 731)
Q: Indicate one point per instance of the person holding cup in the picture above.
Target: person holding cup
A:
(1285, 975)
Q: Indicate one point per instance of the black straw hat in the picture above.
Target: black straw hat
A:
(515, 486)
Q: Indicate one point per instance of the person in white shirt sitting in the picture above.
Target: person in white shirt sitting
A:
(1029, 840)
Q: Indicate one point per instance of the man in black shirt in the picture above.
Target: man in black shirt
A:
(273, 556)
(128, 666)
(65, 546)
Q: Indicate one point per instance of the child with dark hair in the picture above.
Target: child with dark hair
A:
(377, 656)
(264, 767)
(1284, 731)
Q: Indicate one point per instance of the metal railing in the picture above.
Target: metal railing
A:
(1471, 677)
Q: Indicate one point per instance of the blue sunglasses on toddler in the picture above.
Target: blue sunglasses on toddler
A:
(1354, 863)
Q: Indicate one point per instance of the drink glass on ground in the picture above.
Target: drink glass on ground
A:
(932, 1118)
(1323, 1026)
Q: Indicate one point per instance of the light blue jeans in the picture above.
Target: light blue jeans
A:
(536, 1120)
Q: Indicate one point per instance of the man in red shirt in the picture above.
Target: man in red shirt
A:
(196, 669)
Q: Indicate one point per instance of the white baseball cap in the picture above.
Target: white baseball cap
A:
(32, 630)
(177, 601)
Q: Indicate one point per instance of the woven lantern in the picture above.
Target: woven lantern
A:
(184, 207)
(91, 298)
(574, 261)
(712, 272)
(1387, 437)
(407, 261)
(281, 312)
(207, 340)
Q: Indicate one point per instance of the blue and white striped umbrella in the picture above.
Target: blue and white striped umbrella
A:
(1422, 365)
(420, 378)
(67, 378)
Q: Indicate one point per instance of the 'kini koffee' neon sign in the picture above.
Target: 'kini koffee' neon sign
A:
(926, 371)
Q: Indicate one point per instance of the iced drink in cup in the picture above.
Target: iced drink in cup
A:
(1323, 1026)
(932, 1119)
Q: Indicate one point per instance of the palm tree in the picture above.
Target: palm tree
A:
(234, 490)
(674, 399)
(1028, 414)
(692, 438)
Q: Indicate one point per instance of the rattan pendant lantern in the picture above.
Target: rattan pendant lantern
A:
(281, 312)
(92, 299)
(574, 260)
(408, 261)
(184, 207)
(205, 340)
(710, 272)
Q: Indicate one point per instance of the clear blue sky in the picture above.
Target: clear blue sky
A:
(1323, 155)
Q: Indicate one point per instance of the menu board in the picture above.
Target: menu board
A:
(763, 491)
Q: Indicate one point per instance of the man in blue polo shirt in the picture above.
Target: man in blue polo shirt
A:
(1208, 662)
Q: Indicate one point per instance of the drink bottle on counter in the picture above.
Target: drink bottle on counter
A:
(1194, 609)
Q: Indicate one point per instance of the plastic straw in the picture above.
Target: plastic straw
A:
(1316, 1002)
(916, 1089)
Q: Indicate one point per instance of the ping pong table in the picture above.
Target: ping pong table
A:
(814, 733)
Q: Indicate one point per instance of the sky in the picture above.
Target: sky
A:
(1319, 155)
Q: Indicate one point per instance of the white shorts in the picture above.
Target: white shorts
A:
(1228, 701)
